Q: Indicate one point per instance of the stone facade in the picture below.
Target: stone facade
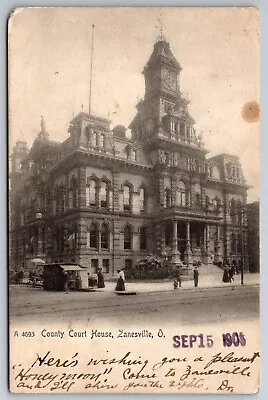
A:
(103, 199)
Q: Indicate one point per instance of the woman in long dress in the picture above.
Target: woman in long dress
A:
(225, 277)
(120, 286)
(100, 279)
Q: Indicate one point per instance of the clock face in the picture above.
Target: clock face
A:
(170, 79)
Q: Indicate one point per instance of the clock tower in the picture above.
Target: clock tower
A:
(161, 74)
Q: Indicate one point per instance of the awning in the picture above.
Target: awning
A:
(72, 267)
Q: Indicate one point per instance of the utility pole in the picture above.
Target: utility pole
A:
(91, 67)
(242, 245)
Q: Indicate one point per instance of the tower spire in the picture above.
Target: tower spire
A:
(91, 66)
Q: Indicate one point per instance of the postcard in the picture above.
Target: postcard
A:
(134, 258)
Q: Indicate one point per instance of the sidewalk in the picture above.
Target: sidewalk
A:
(207, 281)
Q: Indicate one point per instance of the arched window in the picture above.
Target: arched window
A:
(142, 200)
(103, 195)
(197, 195)
(93, 231)
(91, 193)
(127, 237)
(167, 199)
(181, 194)
(143, 238)
(127, 198)
(73, 193)
(104, 234)
(135, 155)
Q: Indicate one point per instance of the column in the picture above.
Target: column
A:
(117, 250)
(82, 186)
(158, 238)
(115, 190)
(188, 252)
(175, 252)
(218, 256)
(39, 241)
(206, 252)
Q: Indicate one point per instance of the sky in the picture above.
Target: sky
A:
(217, 48)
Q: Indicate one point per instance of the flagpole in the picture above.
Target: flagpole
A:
(91, 65)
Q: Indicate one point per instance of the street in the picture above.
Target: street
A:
(193, 306)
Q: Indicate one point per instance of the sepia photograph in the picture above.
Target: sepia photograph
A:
(134, 261)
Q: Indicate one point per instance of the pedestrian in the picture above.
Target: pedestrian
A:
(175, 284)
(225, 277)
(120, 286)
(231, 274)
(100, 283)
(66, 281)
(196, 276)
(178, 276)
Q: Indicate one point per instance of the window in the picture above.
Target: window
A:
(135, 155)
(103, 195)
(106, 266)
(94, 139)
(91, 193)
(142, 200)
(88, 134)
(233, 211)
(59, 199)
(73, 193)
(181, 194)
(126, 198)
(143, 238)
(127, 237)
(197, 199)
(167, 202)
(93, 231)
(239, 211)
(102, 140)
(182, 129)
(104, 233)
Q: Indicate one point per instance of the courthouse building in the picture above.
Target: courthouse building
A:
(104, 199)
